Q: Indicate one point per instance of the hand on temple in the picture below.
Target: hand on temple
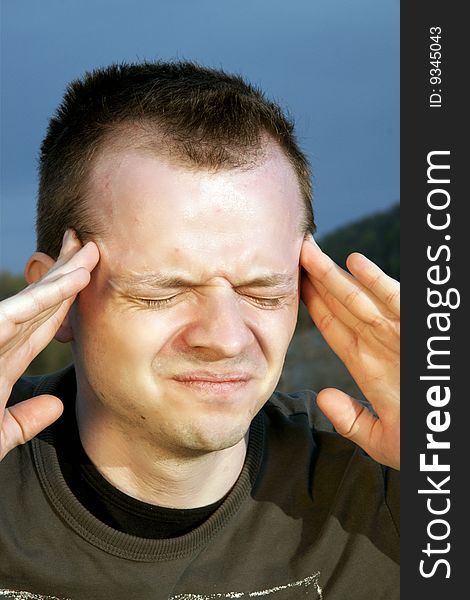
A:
(358, 314)
(28, 322)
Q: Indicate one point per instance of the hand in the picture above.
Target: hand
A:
(358, 314)
(28, 322)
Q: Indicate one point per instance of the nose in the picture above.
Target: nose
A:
(219, 327)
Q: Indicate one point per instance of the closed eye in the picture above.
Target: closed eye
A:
(261, 301)
(157, 302)
(162, 302)
(265, 302)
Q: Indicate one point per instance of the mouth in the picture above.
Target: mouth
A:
(215, 383)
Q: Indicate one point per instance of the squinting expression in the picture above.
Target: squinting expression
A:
(181, 335)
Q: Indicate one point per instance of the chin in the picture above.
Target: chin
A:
(212, 435)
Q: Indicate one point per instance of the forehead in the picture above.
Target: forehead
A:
(161, 215)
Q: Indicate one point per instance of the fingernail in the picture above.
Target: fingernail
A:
(64, 241)
(67, 239)
(361, 259)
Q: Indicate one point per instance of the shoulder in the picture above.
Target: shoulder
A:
(296, 423)
(23, 389)
(330, 470)
(34, 385)
(301, 404)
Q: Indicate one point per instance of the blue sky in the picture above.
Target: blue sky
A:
(333, 64)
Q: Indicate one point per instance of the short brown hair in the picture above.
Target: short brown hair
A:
(202, 117)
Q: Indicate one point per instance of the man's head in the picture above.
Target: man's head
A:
(197, 117)
(199, 201)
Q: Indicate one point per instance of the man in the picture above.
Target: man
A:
(184, 208)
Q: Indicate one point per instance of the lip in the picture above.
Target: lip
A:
(220, 384)
(207, 377)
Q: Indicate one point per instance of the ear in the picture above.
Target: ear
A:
(36, 267)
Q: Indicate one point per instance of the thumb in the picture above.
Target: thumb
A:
(350, 418)
(26, 419)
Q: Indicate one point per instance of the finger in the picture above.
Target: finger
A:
(18, 352)
(70, 242)
(371, 362)
(385, 331)
(348, 290)
(70, 246)
(26, 419)
(60, 283)
(74, 256)
(309, 290)
(337, 334)
(35, 300)
(356, 422)
(373, 278)
(349, 417)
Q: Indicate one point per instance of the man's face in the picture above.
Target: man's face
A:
(181, 335)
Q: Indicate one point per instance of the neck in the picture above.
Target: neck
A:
(164, 477)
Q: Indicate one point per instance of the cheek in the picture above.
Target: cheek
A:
(274, 330)
(123, 336)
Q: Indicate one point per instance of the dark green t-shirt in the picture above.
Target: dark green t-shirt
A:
(310, 516)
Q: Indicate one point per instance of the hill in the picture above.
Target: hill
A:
(377, 236)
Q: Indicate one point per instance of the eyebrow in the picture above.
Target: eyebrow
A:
(272, 280)
(161, 280)
(150, 280)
